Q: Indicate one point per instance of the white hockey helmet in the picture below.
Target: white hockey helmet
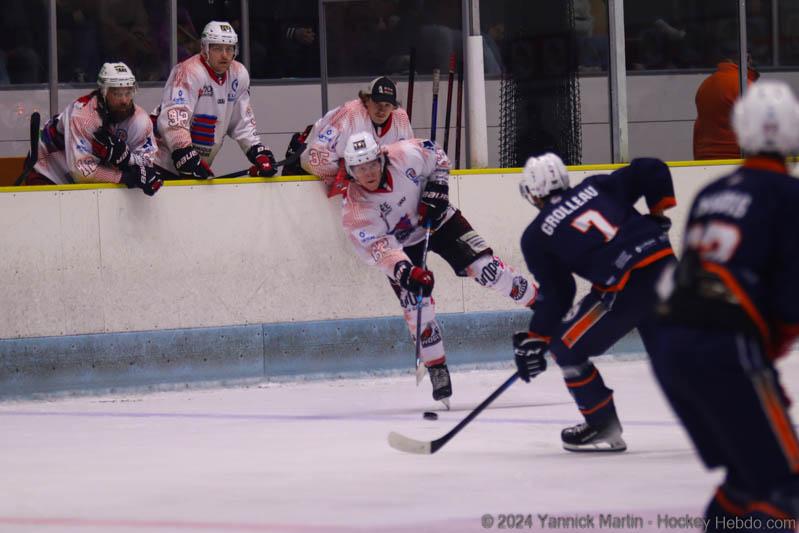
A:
(542, 176)
(361, 148)
(766, 119)
(216, 32)
(115, 75)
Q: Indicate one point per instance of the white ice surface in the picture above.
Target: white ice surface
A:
(313, 457)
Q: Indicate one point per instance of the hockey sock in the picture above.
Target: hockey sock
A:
(593, 398)
(432, 346)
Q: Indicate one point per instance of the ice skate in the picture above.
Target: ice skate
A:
(442, 386)
(586, 438)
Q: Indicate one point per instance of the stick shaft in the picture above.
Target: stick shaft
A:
(448, 113)
(33, 153)
(436, 79)
(419, 300)
(458, 114)
(438, 443)
(411, 79)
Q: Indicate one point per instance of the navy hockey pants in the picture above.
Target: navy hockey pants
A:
(727, 394)
(597, 322)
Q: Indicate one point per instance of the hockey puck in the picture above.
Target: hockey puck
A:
(430, 415)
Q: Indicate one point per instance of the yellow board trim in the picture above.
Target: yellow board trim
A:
(292, 179)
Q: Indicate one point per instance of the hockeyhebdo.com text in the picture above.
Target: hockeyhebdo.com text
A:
(631, 522)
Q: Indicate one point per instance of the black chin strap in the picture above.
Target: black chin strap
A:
(102, 109)
(383, 172)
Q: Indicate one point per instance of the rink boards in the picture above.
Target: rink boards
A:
(103, 286)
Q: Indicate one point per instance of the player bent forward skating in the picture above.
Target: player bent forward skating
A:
(592, 230)
(396, 190)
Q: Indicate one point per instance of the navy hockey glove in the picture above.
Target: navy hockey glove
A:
(109, 149)
(528, 352)
(433, 203)
(661, 220)
(414, 279)
(145, 178)
(189, 163)
(263, 161)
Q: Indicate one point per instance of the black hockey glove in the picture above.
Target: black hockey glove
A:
(189, 163)
(661, 220)
(145, 178)
(529, 355)
(109, 149)
(433, 203)
(263, 161)
(414, 279)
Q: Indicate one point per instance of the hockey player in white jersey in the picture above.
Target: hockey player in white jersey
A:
(376, 111)
(395, 190)
(102, 137)
(205, 98)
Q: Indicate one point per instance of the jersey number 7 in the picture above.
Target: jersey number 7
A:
(593, 218)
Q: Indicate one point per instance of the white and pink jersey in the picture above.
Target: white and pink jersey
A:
(325, 144)
(65, 151)
(199, 107)
(381, 223)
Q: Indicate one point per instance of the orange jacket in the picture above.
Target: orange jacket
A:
(713, 135)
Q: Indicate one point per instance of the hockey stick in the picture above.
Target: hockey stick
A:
(448, 114)
(411, 78)
(420, 368)
(33, 154)
(458, 113)
(246, 171)
(237, 174)
(408, 445)
(436, 77)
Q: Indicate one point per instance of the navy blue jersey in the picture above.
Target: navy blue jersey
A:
(743, 227)
(593, 230)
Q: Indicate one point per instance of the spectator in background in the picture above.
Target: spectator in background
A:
(22, 53)
(78, 40)
(713, 134)
(125, 31)
(290, 44)
(204, 11)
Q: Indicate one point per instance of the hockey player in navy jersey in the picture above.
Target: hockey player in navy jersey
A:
(592, 230)
(729, 310)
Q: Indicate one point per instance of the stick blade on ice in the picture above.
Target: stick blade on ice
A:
(408, 445)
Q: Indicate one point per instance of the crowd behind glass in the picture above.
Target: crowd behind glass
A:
(374, 36)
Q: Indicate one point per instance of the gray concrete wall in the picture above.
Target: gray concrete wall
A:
(255, 352)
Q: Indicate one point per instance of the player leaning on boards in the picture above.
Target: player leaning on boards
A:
(376, 110)
(102, 137)
(205, 98)
(394, 191)
(730, 311)
(592, 230)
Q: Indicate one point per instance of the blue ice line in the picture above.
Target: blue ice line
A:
(301, 418)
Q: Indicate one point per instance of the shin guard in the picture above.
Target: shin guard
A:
(432, 351)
